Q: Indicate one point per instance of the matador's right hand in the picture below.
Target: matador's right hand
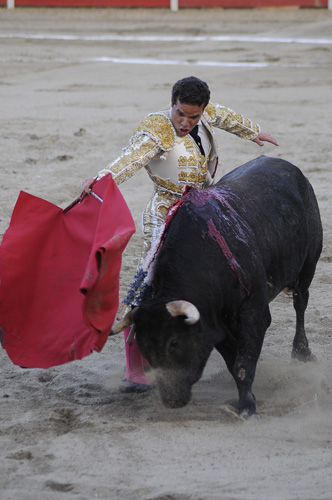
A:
(87, 184)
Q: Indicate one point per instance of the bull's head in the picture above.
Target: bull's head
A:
(170, 338)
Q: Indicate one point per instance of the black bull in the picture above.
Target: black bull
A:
(229, 250)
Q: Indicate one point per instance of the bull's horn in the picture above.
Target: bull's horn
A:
(183, 308)
(126, 321)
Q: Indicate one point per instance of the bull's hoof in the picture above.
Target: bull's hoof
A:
(303, 354)
(247, 407)
(248, 413)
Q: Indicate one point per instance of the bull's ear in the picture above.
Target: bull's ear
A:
(126, 321)
(184, 308)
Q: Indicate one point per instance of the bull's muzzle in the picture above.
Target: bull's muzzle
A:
(175, 391)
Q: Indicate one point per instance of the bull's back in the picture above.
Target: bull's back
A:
(262, 218)
(272, 193)
(267, 180)
(278, 203)
(260, 223)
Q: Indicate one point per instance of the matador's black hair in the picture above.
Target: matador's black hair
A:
(191, 90)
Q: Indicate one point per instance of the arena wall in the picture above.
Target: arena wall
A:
(166, 3)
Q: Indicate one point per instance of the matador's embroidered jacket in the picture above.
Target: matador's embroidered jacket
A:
(174, 162)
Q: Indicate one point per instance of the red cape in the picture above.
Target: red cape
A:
(59, 272)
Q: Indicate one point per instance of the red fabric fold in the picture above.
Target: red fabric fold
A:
(59, 272)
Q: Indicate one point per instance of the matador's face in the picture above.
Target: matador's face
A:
(185, 117)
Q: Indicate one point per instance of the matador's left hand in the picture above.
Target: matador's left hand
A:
(262, 137)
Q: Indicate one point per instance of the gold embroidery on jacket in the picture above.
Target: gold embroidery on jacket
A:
(227, 119)
(182, 161)
(192, 161)
(159, 127)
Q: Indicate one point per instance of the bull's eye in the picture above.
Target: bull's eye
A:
(173, 344)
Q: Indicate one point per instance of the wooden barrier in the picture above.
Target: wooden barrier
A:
(173, 4)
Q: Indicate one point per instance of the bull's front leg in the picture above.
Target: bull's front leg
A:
(250, 335)
(244, 374)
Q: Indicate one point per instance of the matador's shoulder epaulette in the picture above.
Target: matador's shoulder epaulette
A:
(159, 127)
(210, 110)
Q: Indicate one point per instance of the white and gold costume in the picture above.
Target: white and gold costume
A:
(174, 162)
